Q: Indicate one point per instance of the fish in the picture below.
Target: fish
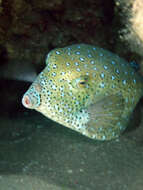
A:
(87, 89)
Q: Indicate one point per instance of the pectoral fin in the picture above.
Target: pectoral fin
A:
(106, 120)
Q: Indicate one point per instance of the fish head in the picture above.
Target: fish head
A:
(61, 87)
(32, 99)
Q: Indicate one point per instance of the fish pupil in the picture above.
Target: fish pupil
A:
(82, 82)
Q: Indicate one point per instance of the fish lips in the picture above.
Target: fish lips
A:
(32, 98)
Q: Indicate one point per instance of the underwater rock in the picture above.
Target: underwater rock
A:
(131, 12)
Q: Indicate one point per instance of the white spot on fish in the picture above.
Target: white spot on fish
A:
(112, 77)
(77, 102)
(117, 71)
(100, 128)
(78, 69)
(78, 53)
(76, 63)
(54, 74)
(102, 85)
(67, 64)
(113, 62)
(60, 110)
(92, 62)
(54, 87)
(54, 66)
(48, 69)
(63, 73)
(105, 67)
(124, 82)
(57, 52)
(89, 55)
(61, 88)
(103, 137)
(56, 106)
(69, 109)
(81, 59)
(102, 75)
(49, 93)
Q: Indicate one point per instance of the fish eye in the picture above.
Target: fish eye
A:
(83, 81)
(80, 82)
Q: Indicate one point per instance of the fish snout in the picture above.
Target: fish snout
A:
(32, 98)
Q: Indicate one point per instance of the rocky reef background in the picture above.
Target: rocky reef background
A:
(30, 29)
(132, 20)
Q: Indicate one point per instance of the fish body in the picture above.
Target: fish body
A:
(87, 89)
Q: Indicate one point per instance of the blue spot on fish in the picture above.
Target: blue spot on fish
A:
(76, 63)
(89, 55)
(81, 59)
(92, 62)
(117, 71)
(68, 64)
(57, 52)
(78, 69)
(124, 82)
(105, 67)
(113, 62)
(112, 77)
(102, 85)
(102, 75)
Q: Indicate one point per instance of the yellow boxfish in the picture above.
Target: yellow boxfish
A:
(87, 89)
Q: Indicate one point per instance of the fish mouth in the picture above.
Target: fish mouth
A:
(31, 99)
(27, 101)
